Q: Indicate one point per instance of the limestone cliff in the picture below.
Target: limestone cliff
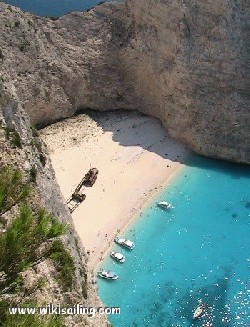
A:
(54, 68)
(185, 62)
(193, 71)
(22, 149)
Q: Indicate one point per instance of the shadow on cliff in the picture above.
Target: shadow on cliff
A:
(231, 169)
(130, 128)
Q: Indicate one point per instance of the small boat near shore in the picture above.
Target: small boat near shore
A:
(107, 274)
(117, 257)
(165, 205)
(199, 311)
(124, 242)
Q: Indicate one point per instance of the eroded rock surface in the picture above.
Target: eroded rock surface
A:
(194, 71)
(22, 149)
(185, 62)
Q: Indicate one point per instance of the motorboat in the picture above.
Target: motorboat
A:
(199, 311)
(107, 274)
(165, 205)
(117, 257)
(124, 242)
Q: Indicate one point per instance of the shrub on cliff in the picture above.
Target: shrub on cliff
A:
(20, 245)
(26, 242)
(31, 237)
(64, 265)
(12, 188)
(33, 174)
(19, 320)
(14, 138)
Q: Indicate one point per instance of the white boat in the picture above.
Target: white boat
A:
(107, 274)
(199, 311)
(124, 242)
(117, 257)
(165, 205)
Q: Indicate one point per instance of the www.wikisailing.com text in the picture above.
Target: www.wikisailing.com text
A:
(76, 309)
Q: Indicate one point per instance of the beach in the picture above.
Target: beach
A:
(135, 158)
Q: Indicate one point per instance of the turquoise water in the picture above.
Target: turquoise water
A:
(198, 250)
(53, 7)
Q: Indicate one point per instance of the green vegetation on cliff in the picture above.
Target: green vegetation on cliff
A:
(31, 320)
(31, 237)
(64, 264)
(20, 244)
(12, 188)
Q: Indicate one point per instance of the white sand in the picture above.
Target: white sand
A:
(135, 158)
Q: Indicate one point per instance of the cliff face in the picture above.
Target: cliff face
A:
(21, 149)
(185, 62)
(193, 71)
(54, 68)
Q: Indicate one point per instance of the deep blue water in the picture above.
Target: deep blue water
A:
(53, 7)
(199, 250)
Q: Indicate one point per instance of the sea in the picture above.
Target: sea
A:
(197, 251)
(53, 8)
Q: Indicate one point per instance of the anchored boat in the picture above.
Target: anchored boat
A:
(165, 205)
(124, 242)
(199, 311)
(117, 257)
(107, 274)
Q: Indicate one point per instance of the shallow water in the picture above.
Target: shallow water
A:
(198, 250)
(53, 7)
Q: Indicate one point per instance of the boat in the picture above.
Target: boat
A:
(124, 242)
(90, 178)
(199, 311)
(117, 257)
(165, 205)
(75, 200)
(107, 274)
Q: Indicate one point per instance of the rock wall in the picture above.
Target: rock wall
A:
(46, 193)
(54, 68)
(193, 71)
(186, 62)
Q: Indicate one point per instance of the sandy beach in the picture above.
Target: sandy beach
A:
(135, 158)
